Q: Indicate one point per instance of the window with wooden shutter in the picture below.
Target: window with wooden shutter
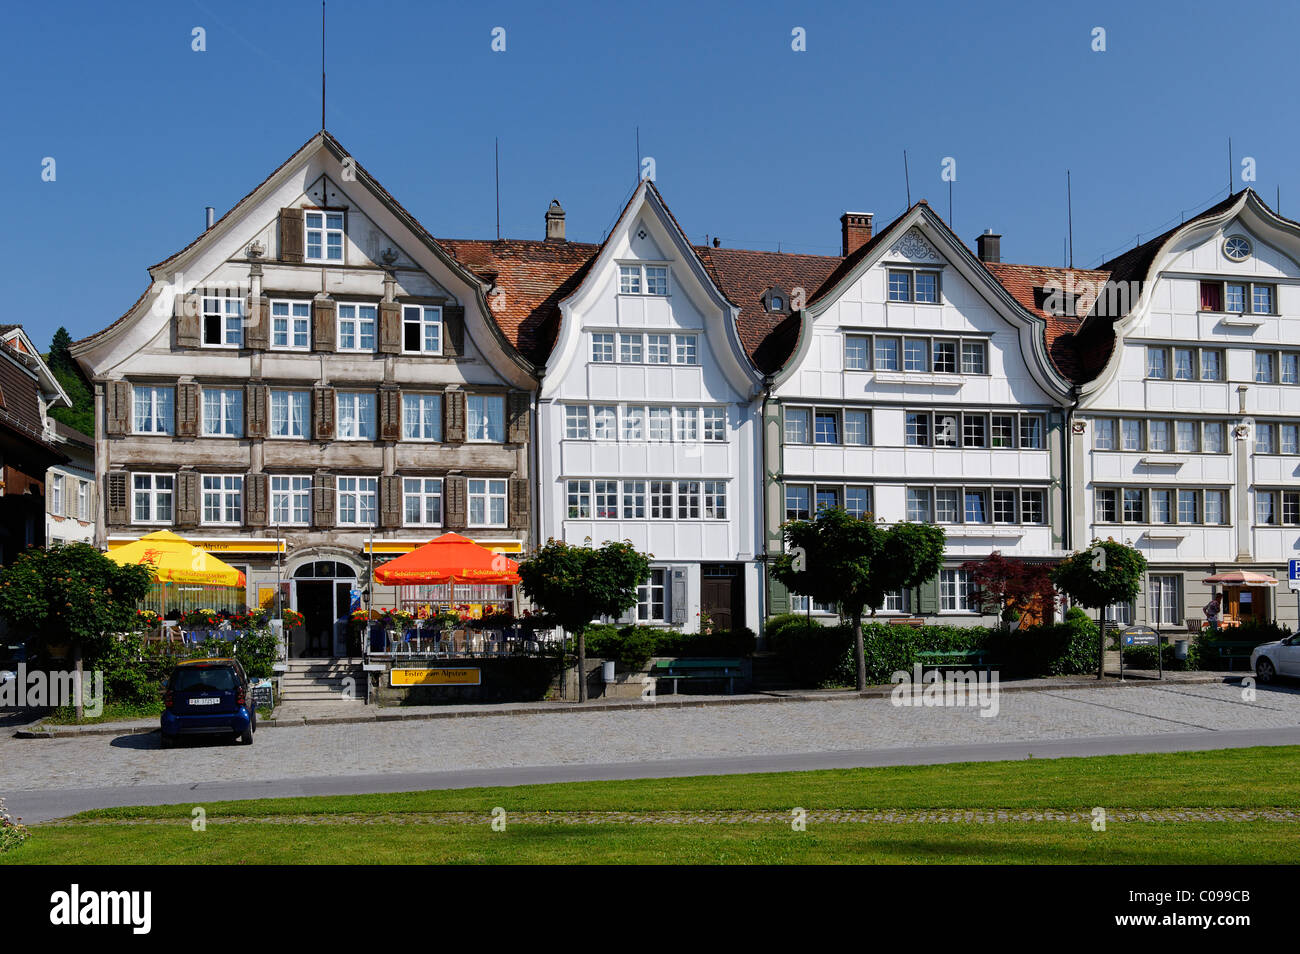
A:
(255, 500)
(115, 492)
(322, 410)
(291, 235)
(322, 501)
(390, 327)
(453, 503)
(255, 410)
(390, 501)
(518, 503)
(677, 596)
(186, 321)
(257, 323)
(453, 417)
(517, 417)
(117, 407)
(188, 504)
(778, 599)
(187, 410)
(324, 324)
(390, 414)
(453, 328)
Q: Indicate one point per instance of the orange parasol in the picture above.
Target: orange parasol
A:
(449, 558)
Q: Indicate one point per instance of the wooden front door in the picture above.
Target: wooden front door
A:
(722, 595)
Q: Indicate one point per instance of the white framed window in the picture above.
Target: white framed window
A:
(857, 353)
(1031, 432)
(974, 357)
(916, 354)
(688, 500)
(826, 426)
(290, 501)
(356, 416)
(324, 235)
(357, 325)
(651, 598)
(629, 279)
(83, 500)
(634, 423)
(1187, 437)
(797, 425)
(661, 500)
(1103, 434)
(1289, 367)
(290, 325)
(223, 412)
(1265, 439)
(485, 418)
(857, 428)
(487, 503)
(152, 498)
(154, 409)
(713, 423)
(643, 280)
(918, 504)
(1158, 363)
(630, 349)
(658, 349)
(1216, 507)
(223, 319)
(798, 502)
(656, 280)
(290, 413)
(578, 499)
(1033, 508)
(576, 426)
(1264, 368)
(687, 349)
(956, 592)
(1213, 439)
(1164, 599)
(660, 423)
(857, 501)
(358, 501)
(715, 500)
(604, 419)
(1266, 508)
(886, 354)
(688, 423)
(634, 499)
(422, 501)
(1134, 435)
(56, 494)
(602, 348)
(604, 495)
(421, 417)
(223, 499)
(422, 329)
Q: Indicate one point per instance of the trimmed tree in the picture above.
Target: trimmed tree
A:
(72, 594)
(576, 585)
(1011, 586)
(1103, 574)
(855, 561)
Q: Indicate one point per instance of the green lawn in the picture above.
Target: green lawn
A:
(1234, 778)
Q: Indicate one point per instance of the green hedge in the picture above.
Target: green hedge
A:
(633, 646)
(823, 655)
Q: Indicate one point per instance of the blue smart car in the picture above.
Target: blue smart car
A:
(208, 697)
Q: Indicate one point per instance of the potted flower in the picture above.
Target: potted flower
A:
(200, 619)
(292, 618)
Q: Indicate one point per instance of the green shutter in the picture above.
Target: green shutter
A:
(927, 597)
(778, 598)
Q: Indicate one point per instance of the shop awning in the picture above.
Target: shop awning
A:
(176, 560)
(449, 558)
(1241, 578)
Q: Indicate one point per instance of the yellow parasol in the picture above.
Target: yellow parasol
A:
(176, 560)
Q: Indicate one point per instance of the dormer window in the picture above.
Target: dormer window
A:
(324, 236)
(776, 299)
(643, 280)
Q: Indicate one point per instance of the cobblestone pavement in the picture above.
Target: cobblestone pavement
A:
(983, 816)
(630, 736)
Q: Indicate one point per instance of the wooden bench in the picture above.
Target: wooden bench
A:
(957, 659)
(699, 670)
(1232, 650)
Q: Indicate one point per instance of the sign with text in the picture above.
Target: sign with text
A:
(434, 677)
(1138, 636)
(263, 694)
(1294, 575)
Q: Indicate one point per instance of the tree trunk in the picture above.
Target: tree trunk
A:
(76, 682)
(859, 656)
(582, 664)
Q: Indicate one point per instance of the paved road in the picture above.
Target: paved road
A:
(50, 778)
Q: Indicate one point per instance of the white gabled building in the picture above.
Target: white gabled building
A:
(648, 424)
(920, 389)
(1187, 443)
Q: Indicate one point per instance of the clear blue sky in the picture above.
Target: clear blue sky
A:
(753, 142)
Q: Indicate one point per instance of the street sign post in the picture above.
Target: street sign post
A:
(1141, 636)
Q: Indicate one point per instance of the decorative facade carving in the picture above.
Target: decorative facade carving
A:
(913, 247)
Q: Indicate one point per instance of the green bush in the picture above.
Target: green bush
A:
(633, 646)
(134, 673)
(257, 652)
(1144, 657)
(1068, 648)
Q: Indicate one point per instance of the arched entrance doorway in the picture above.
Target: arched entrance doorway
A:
(322, 593)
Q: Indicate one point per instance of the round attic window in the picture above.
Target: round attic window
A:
(1237, 248)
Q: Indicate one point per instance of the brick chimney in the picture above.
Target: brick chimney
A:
(555, 222)
(989, 247)
(855, 231)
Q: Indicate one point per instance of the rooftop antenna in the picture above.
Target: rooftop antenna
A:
(907, 179)
(1069, 214)
(322, 64)
(496, 150)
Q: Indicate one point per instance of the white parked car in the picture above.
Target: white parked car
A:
(1280, 658)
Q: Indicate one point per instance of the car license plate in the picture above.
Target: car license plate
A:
(206, 701)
